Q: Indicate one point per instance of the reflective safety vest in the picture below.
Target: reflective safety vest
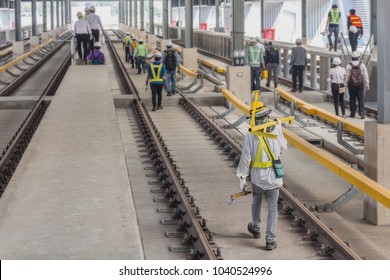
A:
(254, 58)
(156, 73)
(127, 41)
(257, 163)
(334, 16)
(134, 44)
(141, 50)
(356, 21)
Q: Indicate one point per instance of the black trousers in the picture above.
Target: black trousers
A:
(82, 39)
(156, 94)
(353, 39)
(356, 93)
(338, 98)
(298, 73)
(127, 54)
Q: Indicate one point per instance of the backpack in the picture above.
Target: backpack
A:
(272, 56)
(170, 60)
(356, 78)
(96, 60)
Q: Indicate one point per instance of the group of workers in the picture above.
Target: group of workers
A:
(87, 34)
(354, 25)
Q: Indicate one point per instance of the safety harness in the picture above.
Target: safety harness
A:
(156, 68)
(257, 163)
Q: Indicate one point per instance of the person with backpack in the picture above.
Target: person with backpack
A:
(156, 76)
(272, 61)
(358, 81)
(171, 60)
(96, 57)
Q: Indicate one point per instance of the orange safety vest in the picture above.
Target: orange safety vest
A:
(134, 45)
(355, 20)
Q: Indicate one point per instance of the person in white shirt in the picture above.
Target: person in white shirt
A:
(95, 22)
(82, 32)
(337, 77)
(256, 158)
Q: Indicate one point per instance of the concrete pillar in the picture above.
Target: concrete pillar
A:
(45, 36)
(165, 20)
(34, 41)
(152, 40)
(188, 40)
(17, 48)
(238, 82)
(190, 57)
(151, 17)
(376, 165)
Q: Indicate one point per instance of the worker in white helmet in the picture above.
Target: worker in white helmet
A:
(337, 76)
(260, 158)
(95, 22)
(82, 32)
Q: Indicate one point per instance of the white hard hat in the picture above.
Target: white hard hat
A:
(336, 61)
(96, 45)
(356, 54)
(92, 8)
(79, 14)
(252, 40)
(257, 39)
(168, 43)
(353, 29)
(298, 41)
(157, 56)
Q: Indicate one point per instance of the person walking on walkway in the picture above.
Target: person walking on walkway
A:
(272, 61)
(256, 159)
(255, 59)
(355, 29)
(134, 44)
(95, 22)
(358, 81)
(171, 60)
(127, 47)
(337, 76)
(156, 76)
(333, 24)
(82, 32)
(298, 63)
(141, 52)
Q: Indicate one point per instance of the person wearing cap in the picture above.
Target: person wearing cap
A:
(355, 29)
(95, 22)
(96, 57)
(337, 76)
(272, 61)
(140, 53)
(298, 63)
(171, 60)
(82, 32)
(358, 81)
(256, 161)
(156, 76)
(87, 11)
(260, 45)
(254, 56)
(127, 47)
(333, 26)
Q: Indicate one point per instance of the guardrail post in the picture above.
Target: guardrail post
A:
(313, 70)
(324, 72)
(286, 67)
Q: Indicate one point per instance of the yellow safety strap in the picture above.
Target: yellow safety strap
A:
(257, 163)
(156, 78)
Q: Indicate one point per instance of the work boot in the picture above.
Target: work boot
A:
(159, 107)
(154, 108)
(169, 93)
(335, 49)
(173, 92)
(293, 90)
(330, 47)
(300, 90)
(267, 85)
(270, 245)
(362, 117)
(255, 233)
(276, 85)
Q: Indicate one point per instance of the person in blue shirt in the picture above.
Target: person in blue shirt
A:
(156, 77)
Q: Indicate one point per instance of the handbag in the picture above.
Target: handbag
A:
(276, 163)
(341, 88)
